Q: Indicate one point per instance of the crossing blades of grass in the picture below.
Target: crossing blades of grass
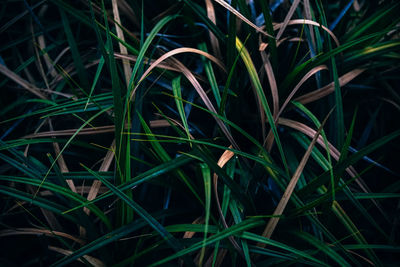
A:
(237, 228)
(260, 95)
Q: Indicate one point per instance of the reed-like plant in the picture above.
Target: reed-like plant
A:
(199, 133)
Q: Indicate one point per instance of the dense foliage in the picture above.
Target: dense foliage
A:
(206, 133)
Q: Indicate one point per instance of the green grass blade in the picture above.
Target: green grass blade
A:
(75, 52)
(268, 241)
(210, 75)
(176, 89)
(141, 178)
(62, 191)
(102, 241)
(323, 247)
(319, 181)
(145, 47)
(67, 143)
(205, 170)
(235, 229)
(260, 94)
(151, 221)
(96, 78)
(164, 157)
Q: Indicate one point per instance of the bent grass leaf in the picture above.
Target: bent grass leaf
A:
(235, 229)
(170, 239)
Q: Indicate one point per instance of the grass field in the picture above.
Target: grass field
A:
(199, 133)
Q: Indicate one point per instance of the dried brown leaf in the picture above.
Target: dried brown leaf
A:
(308, 16)
(299, 84)
(192, 79)
(213, 39)
(199, 220)
(241, 17)
(61, 162)
(23, 83)
(105, 166)
(92, 260)
(308, 22)
(272, 223)
(122, 48)
(326, 90)
(270, 137)
(287, 19)
(36, 231)
(272, 83)
(225, 157)
(332, 150)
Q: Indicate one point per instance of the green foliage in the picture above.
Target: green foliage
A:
(159, 133)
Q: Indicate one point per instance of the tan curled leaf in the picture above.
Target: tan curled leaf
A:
(122, 48)
(105, 166)
(328, 89)
(356, 6)
(287, 18)
(307, 15)
(270, 137)
(272, 83)
(37, 231)
(225, 157)
(90, 130)
(23, 83)
(199, 220)
(61, 162)
(332, 150)
(272, 223)
(173, 53)
(192, 79)
(146, 61)
(243, 18)
(69, 132)
(299, 84)
(213, 39)
(308, 22)
(92, 260)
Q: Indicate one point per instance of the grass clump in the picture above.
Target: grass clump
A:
(199, 133)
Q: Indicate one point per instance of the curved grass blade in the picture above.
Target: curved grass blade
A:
(165, 157)
(150, 220)
(96, 78)
(102, 241)
(205, 170)
(260, 94)
(176, 89)
(235, 229)
(267, 241)
(62, 191)
(340, 167)
(200, 12)
(67, 143)
(82, 74)
(211, 76)
(272, 223)
(318, 124)
(143, 177)
(145, 47)
(324, 248)
(38, 201)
